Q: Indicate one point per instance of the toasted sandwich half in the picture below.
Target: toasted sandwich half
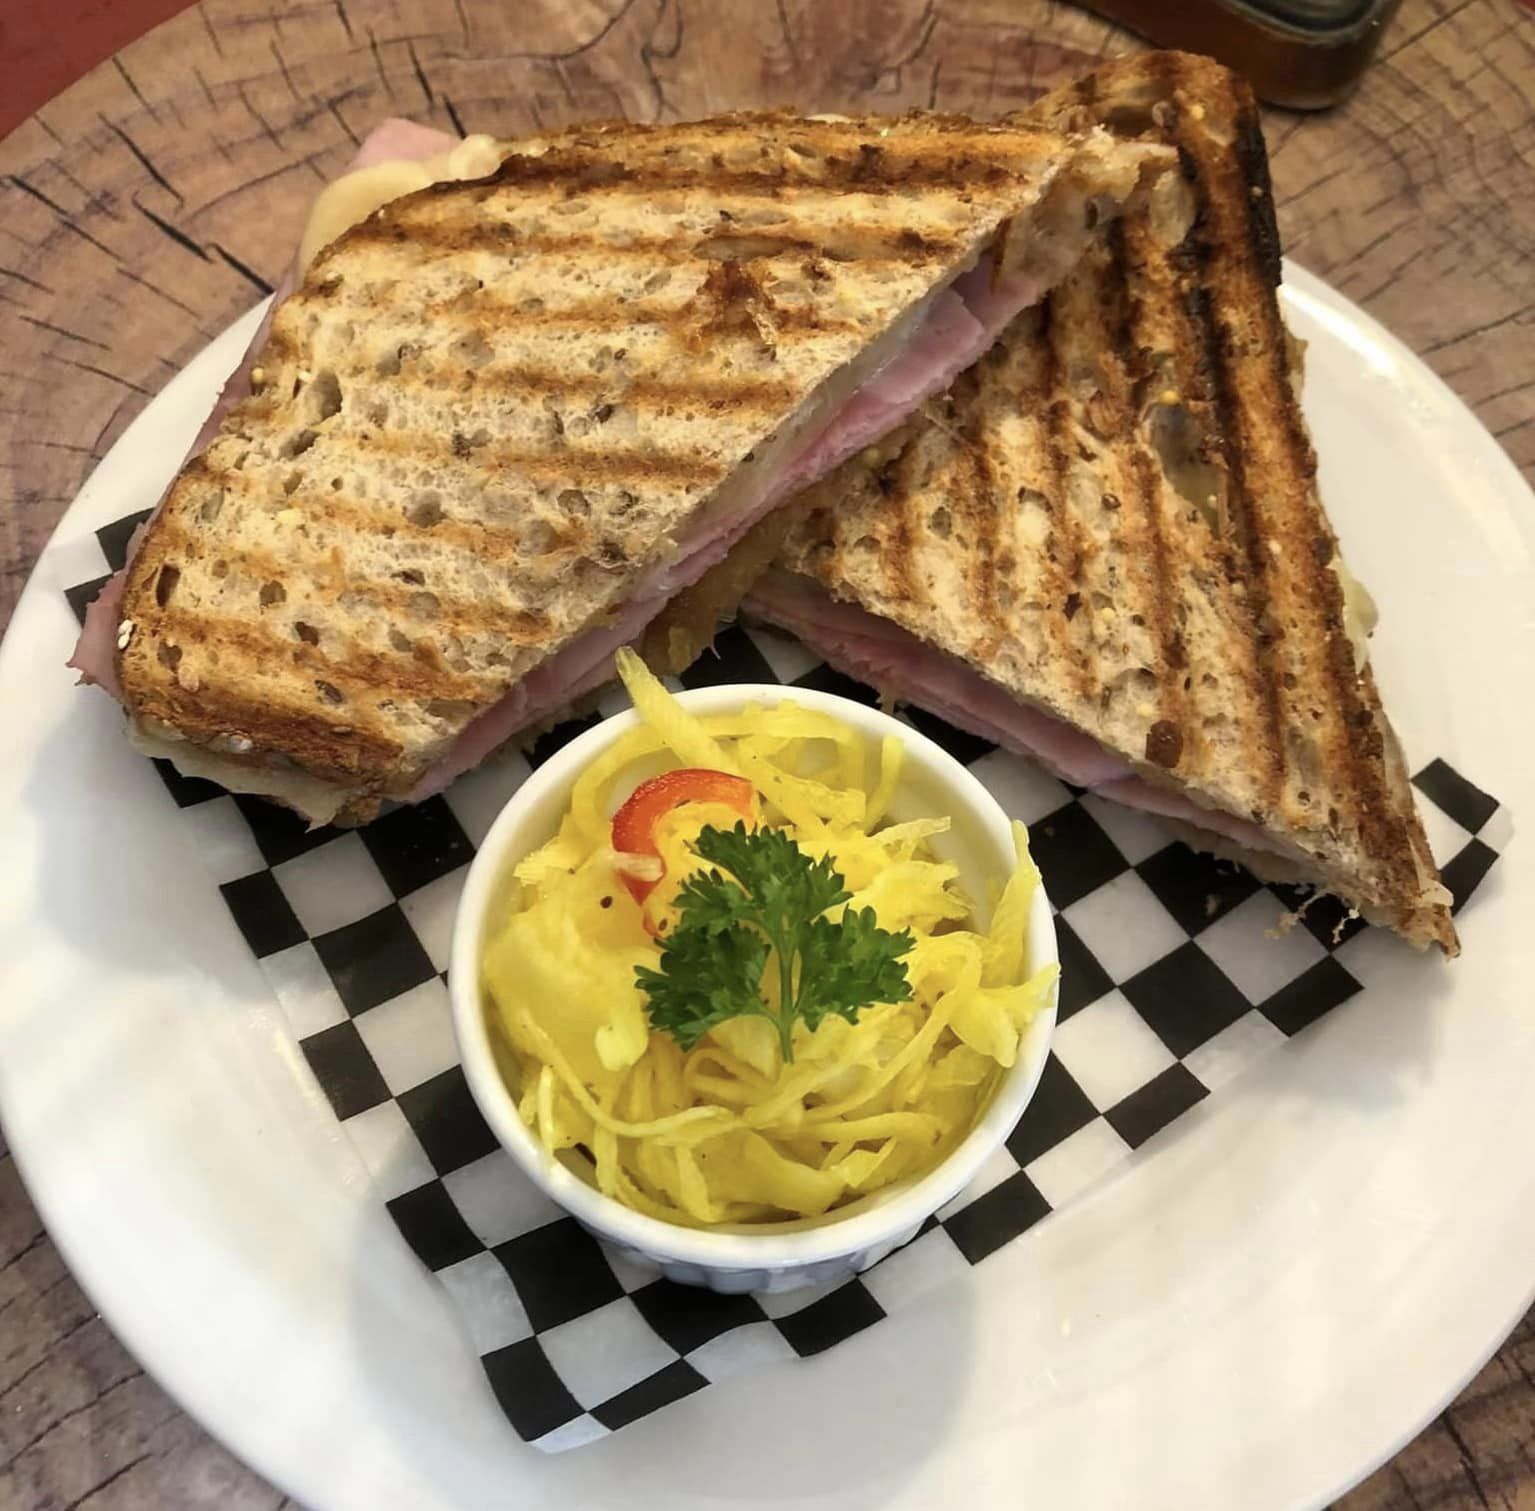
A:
(500, 422)
(1104, 547)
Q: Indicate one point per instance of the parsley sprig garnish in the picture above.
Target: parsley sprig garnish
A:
(769, 908)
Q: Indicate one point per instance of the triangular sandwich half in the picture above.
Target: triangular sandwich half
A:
(1105, 547)
(501, 422)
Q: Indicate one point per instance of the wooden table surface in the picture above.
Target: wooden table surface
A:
(159, 196)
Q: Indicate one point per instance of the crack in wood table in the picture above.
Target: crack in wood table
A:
(157, 197)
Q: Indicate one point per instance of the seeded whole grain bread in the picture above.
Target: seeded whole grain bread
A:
(1114, 517)
(1292, 733)
(492, 407)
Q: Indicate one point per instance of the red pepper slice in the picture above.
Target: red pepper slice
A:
(634, 825)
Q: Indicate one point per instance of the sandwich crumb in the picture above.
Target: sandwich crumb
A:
(1292, 916)
(1168, 396)
(258, 376)
(124, 634)
(1343, 923)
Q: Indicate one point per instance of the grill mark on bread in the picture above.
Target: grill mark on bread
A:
(1243, 510)
(472, 307)
(978, 489)
(1164, 274)
(1078, 317)
(1253, 171)
(607, 316)
(748, 394)
(1129, 335)
(843, 161)
(637, 465)
(903, 578)
(475, 538)
(330, 579)
(867, 244)
(359, 670)
(1029, 367)
(745, 127)
(934, 150)
(897, 561)
(1064, 547)
(820, 524)
(359, 518)
(473, 310)
(987, 526)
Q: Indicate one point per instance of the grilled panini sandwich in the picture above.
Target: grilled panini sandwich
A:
(1104, 547)
(501, 422)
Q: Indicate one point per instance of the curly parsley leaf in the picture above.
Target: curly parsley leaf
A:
(785, 886)
(843, 967)
(706, 976)
(772, 904)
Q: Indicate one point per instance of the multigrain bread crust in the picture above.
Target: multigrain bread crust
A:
(1114, 516)
(492, 407)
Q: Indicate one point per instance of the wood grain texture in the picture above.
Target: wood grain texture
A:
(160, 196)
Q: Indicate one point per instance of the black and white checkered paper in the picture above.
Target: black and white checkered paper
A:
(1173, 981)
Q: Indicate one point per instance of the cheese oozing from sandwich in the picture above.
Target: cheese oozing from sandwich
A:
(356, 195)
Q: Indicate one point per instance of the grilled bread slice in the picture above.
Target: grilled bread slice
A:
(494, 412)
(1111, 525)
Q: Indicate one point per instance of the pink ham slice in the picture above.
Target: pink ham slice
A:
(94, 656)
(1136, 792)
(885, 656)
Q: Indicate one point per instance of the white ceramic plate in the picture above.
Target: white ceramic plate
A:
(1263, 1306)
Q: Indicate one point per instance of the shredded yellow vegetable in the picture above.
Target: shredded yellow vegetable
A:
(726, 1132)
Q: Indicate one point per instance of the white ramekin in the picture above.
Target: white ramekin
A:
(782, 1256)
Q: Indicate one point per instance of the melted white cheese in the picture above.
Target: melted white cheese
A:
(1360, 616)
(354, 197)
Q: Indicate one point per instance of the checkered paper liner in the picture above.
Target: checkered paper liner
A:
(1173, 981)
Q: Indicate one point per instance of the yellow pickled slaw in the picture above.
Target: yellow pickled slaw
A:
(727, 1133)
